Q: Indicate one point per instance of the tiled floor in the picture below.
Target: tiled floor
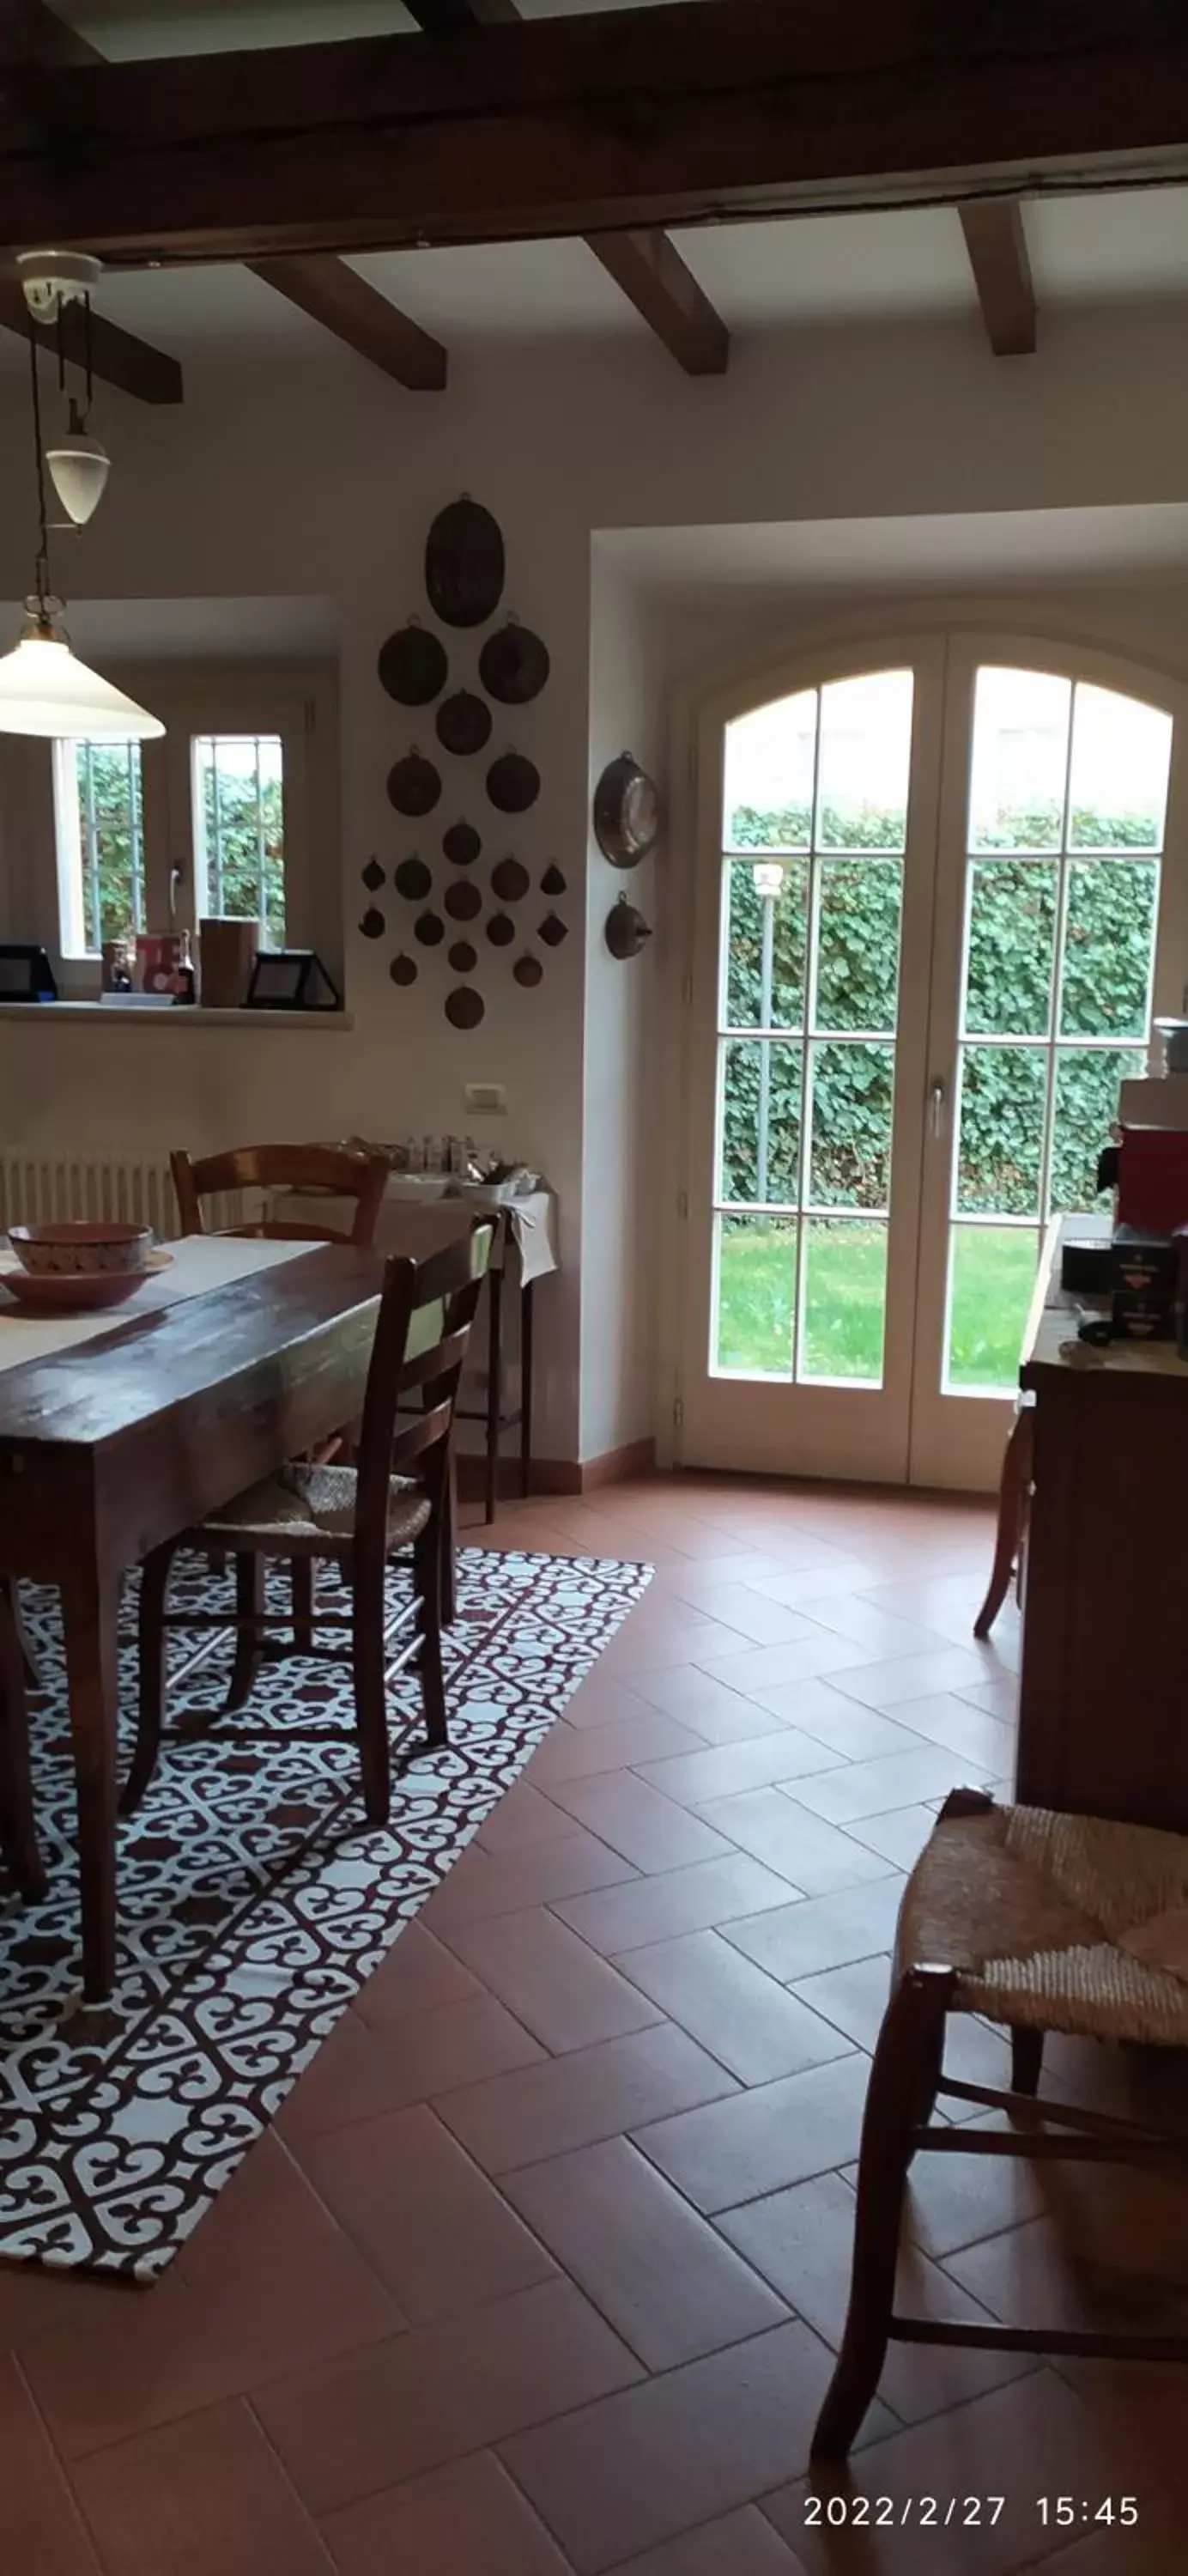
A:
(540, 2272)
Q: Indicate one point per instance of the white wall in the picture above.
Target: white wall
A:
(623, 1153)
(277, 481)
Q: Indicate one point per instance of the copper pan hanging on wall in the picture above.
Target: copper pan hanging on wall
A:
(463, 723)
(514, 665)
(413, 665)
(414, 785)
(626, 812)
(464, 564)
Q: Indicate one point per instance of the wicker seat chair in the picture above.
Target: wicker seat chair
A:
(359, 1518)
(1043, 1923)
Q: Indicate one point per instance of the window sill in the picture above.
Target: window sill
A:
(185, 1015)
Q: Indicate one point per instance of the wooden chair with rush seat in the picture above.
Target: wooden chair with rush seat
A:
(1041, 1922)
(396, 1501)
(345, 1171)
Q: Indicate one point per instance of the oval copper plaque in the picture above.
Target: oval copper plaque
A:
(464, 1007)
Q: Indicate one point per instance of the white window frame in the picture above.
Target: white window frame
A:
(38, 796)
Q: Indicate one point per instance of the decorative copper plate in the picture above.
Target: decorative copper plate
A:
(514, 665)
(414, 785)
(463, 900)
(373, 876)
(510, 880)
(513, 782)
(461, 844)
(413, 665)
(528, 970)
(403, 970)
(626, 813)
(464, 1007)
(429, 929)
(500, 931)
(464, 563)
(373, 924)
(463, 958)
(413, 880)
(463, 723)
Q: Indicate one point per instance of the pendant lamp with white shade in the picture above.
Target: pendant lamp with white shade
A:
(44, 689)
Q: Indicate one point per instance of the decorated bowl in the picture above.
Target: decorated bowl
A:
(82, 1249)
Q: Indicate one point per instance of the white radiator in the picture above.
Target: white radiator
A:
(38, 1188)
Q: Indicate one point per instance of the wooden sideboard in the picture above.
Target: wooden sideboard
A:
(1103, 1712)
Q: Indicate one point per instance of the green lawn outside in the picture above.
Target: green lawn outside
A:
(994, 1270)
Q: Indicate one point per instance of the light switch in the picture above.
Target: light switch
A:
(486, 1099)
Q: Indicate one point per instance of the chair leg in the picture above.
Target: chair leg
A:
(428, 1553)
(908, 2046)
(301, 1580)
(154, 1588)
(1027, 2060)
(249, 1655)
(1012, 1500)
(28, 1658)
(371, 1699)
(18, 1829)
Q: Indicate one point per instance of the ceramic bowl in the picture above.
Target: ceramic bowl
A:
(70, 1250)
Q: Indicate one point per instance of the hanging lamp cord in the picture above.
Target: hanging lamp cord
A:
(42, 572)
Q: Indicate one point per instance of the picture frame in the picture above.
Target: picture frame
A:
(26, 974)
(291, 979)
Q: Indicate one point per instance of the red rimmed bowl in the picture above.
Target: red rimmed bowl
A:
(82, 1249)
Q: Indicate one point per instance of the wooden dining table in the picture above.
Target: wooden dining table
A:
(121, 1432)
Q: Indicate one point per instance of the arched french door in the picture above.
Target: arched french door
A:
(933, 921)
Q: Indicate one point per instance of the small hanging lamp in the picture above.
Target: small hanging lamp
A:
(44, 689)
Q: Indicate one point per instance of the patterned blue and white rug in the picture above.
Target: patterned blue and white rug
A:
(253, 1901)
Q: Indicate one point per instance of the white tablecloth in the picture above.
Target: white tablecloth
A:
(199, 1264)
(420, 1226)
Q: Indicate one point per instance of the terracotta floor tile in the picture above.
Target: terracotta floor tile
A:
(483, 1884)
(803, 1848)
(801, 1586)
(553, 1982)
(464, 2520)
(1068, 2272)
(661, 2276)
(573, 2101)
(203, 2498)
(673, 1632)
(878, 1632)
(522, 1817)
(855, 1998)
(756, 1616)
(902, 1677)
(1000, 1697)
(616, 1919)
(709, 1707)
(741, 2544)
(803, 2242)
(1022, 2442)
(739, 2150)
(743, 2016)
(639, 2468)
(575, 1752)
(372, 2420)
(270, 2283)
(971, 1732)
(600, 1701)
(437, 2233)
(39, 2519)
(861, 1789)
(651, 1832)
(417, 1975)
(385, 2067)
(1113, 2551)
(763, 1668)
(849, 1731)
(720, 1771)
(705, 1581)
(953, 2201)
(821, 1931)
(898, 1837)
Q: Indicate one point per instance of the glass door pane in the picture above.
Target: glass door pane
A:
(812, 860)
(1068, 782)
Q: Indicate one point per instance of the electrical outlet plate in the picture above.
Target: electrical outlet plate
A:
(485, 1099)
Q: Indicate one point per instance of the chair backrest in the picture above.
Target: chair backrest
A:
(348, 1173)
(426, 1312)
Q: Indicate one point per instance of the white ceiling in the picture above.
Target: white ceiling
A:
(890, 264)
(987, 550)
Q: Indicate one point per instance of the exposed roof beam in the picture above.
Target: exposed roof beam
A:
(646, 265)
(32, 34)
(333, 294)
(594, 122)
(662, 287)
(117, 357)
(997, 246)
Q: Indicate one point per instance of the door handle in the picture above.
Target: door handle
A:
(938, 1097)
(176, 879)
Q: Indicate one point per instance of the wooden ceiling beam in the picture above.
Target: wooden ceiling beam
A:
(997, 246)
(597, 122)
(647, 266)
(333, 294)
(117, 357)
(31, 34)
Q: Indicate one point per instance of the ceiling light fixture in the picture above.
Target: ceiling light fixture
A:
(44, 689)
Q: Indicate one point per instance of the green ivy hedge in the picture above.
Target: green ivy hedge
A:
(1013, 930)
